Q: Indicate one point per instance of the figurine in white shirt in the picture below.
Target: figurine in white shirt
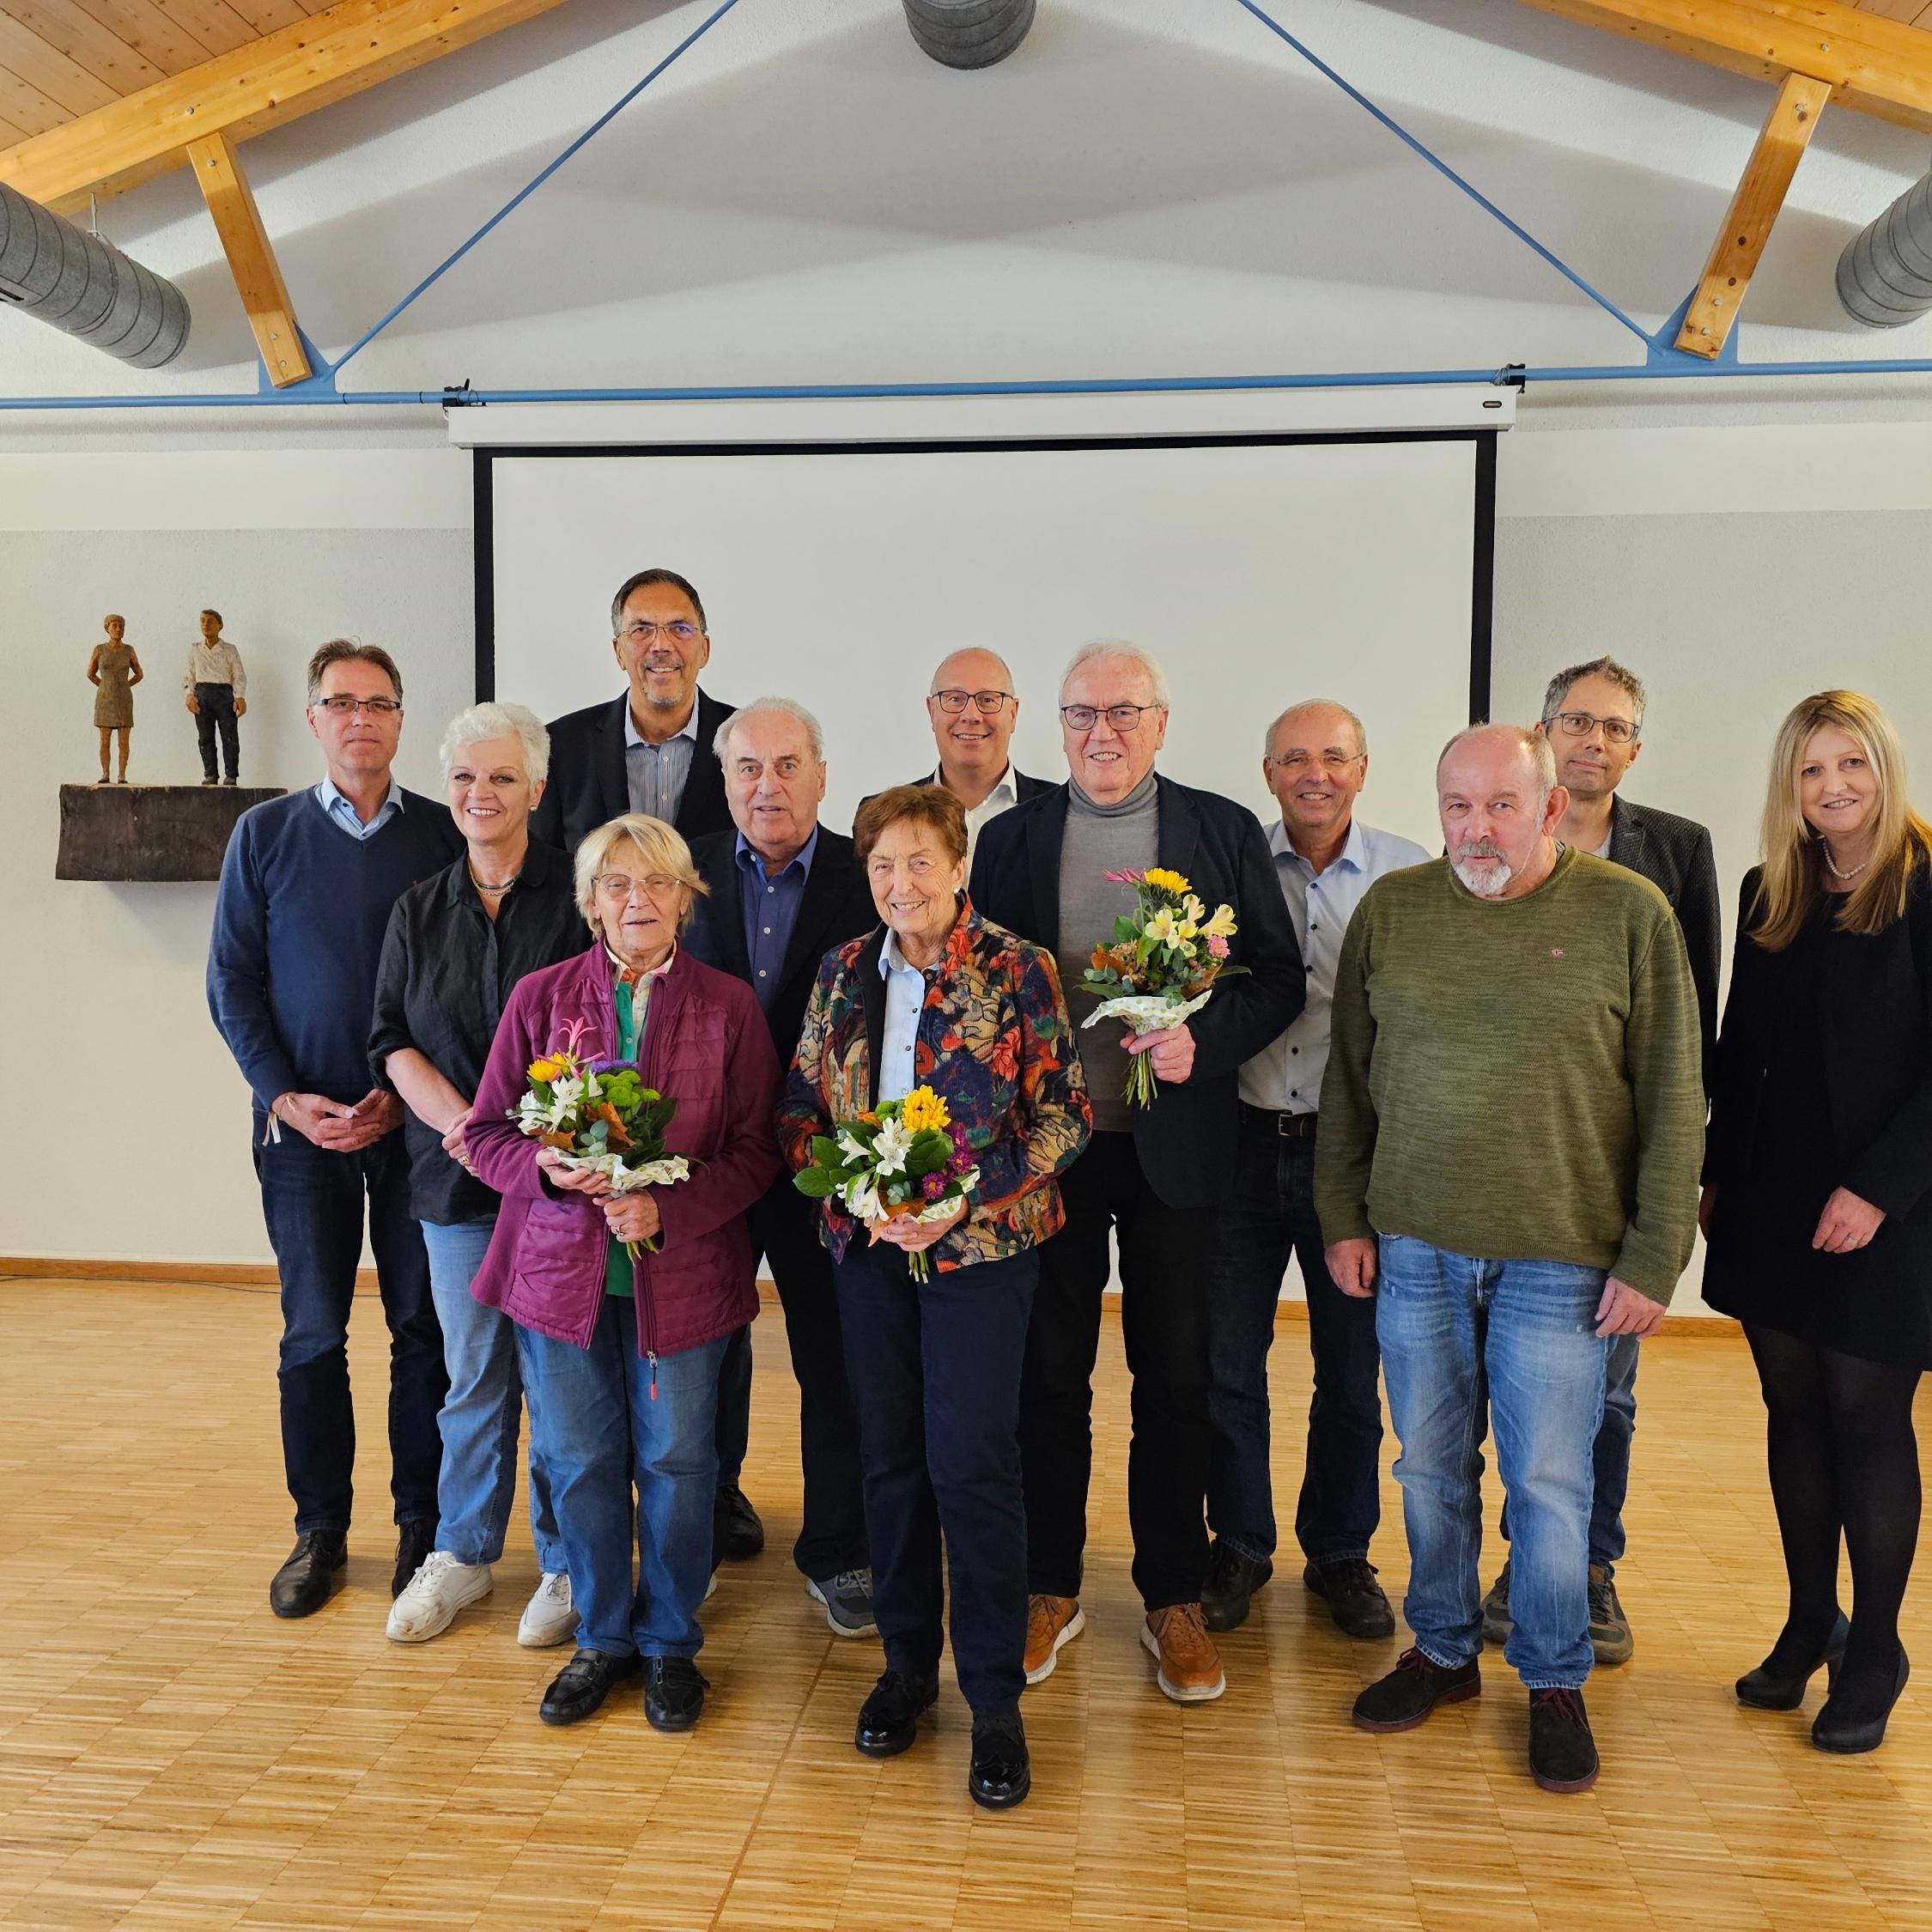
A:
(216, 688)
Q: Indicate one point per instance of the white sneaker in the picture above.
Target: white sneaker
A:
(549, 1616)
(432, 1597)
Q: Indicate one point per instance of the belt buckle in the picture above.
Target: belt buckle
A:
(1294, 1126)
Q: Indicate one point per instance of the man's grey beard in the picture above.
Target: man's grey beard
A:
(1483, 885)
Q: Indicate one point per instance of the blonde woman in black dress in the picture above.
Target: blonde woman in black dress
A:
(114, 671)
(1818, 1196)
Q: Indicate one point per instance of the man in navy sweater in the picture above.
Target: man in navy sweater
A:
(307, 887)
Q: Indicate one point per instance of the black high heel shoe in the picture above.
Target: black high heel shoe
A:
(1763, 1689)
(1846, 1735)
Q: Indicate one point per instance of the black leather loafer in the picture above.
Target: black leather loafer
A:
(314, 1573)
(674, 1691)
(889, 1718)
(414, 1542)
(1001, 1773)
(580, 1687)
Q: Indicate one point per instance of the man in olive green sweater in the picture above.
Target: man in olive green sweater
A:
(1512, 1122)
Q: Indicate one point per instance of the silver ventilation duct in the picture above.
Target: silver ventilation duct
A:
(86, 287)
(968, 33)
(1885, 274)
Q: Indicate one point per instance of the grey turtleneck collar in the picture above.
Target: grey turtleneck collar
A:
(1139, 799)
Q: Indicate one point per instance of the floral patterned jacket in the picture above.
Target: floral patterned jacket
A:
(993, 1044)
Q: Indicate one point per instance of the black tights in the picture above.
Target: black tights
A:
(1842, 1456)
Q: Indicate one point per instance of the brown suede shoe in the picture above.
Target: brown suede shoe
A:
(1190, 1666)
(1051, 1621)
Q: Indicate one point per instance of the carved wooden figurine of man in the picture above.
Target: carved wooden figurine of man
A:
(216, 688)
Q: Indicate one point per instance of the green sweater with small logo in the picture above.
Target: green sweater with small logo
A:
(1516, 1079)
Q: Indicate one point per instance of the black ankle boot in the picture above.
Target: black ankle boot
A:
(1766, 1689)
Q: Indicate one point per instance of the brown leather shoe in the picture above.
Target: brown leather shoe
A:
(1190, 1666)
(1051, 1621)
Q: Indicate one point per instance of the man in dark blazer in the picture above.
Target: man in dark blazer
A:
(972, 709)
(785, 891)
(649, 750)
(1592, 716)
(1151, 1176)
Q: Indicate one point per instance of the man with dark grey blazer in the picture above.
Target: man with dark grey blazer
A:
(1592, 716)
(1055, 871)
(785, 891)
(649, 750)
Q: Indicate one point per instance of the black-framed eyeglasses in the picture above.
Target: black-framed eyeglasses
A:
(1580, 723)
(1122, 717)
(641, 630)
(985, 701)
(343, 706)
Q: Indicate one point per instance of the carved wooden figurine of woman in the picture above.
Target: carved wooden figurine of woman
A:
(114, 671)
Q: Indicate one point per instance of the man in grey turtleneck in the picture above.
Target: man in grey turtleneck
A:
(1151, 1177)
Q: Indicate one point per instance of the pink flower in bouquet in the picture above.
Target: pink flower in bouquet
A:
(1217, 946)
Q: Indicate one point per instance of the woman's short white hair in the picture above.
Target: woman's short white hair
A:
(780, 707)
(1111, 650)
(482, 722)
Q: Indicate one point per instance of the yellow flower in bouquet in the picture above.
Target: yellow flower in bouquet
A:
(1167, 881)
(924, 1108)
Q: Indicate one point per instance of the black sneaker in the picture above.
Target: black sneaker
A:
(889, 1718)
(674, 1691)
(1355, 1600)
(1496, 1621)
(1229, 1585)
(1610, 1632)
(1400, 1701)
(736, 1535)
(1001, 1773)
(1562, 1751)
(582, 1684)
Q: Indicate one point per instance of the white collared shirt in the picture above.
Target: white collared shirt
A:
(1285, 1076)
(1003, 797)
(344, 814)
(905, 999)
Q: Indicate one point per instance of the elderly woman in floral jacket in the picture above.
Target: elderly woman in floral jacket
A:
(937, 998)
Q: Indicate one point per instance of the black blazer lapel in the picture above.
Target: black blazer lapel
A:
(1180, 830)
(1627, 839)
(872, 997)
(1045, 833)
(828, 891)
(725, 914)
(702, 808)
(613, 780)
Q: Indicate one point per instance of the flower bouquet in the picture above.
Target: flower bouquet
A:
(906, 1160)
(602, 1118)
(1162, 965)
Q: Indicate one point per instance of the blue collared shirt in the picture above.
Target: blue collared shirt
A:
(655, 774)
(342, 813)
(1285, 1076)
(905, 999)
(769, 907)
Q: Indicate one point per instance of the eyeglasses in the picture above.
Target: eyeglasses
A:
(343, 706)
(1122, 717)
(1328, 761)
(985, 701)
(617, 886)
(642, 631)
(1580, 723)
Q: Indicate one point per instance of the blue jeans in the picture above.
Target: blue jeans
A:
(313, 1201)
(1270, 1214)
(1449, 1323)
(1610, 1455)
(935, 1373)
(482, 1411)
(597, 1430)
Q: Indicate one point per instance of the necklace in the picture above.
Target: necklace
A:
(494, 889)
(1837, 872)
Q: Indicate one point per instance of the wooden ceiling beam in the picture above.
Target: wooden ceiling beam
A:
(324, 58)
(257, 275)
(1877, 66)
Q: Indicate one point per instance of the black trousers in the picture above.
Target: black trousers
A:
(784, 1228)
(937, 1369)
(215, 704)
(1165, 1256)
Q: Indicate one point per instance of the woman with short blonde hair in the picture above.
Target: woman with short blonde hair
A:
(1818, 1193)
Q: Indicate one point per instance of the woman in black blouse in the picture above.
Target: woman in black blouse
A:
(1817, 1195)
(457, 944)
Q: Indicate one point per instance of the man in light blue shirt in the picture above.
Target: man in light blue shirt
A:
(656, 773)
(1316, 762)
(343, 811)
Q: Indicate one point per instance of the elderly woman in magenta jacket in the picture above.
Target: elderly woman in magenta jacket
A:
(620, 1361)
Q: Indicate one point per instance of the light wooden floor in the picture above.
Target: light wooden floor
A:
(170, 1755)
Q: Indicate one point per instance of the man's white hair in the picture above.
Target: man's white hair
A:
(1111, 650)
(769, 708)
(482, 722)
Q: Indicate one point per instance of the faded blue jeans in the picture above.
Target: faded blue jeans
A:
(1447, 1322)
(482, 1413)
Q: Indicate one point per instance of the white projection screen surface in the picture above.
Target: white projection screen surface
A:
(1260, 571)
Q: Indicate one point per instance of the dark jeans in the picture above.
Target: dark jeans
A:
(216, 708)
(1271, 1212)
(1164, 1258)
(784, 1227)
(936, 1368)
(312, 1201)
(1609, 1454)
